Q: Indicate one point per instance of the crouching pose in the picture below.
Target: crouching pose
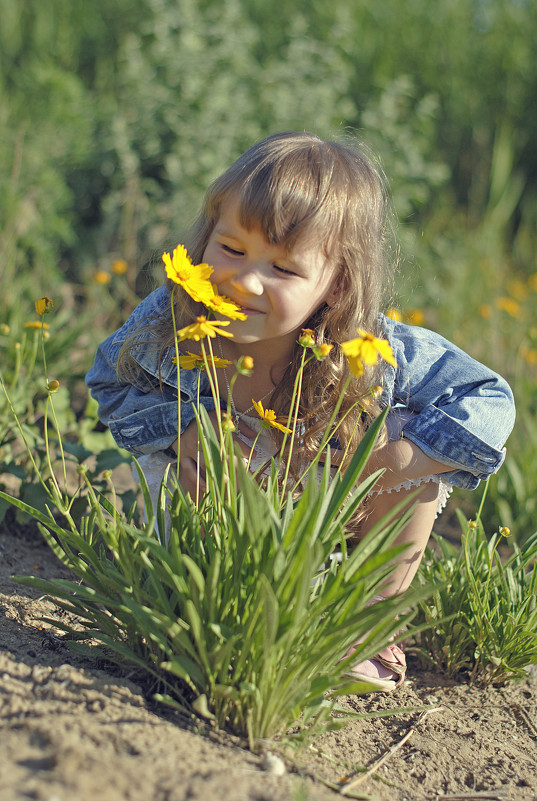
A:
(295, 231)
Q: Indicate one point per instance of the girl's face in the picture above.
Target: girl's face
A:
(278, 291)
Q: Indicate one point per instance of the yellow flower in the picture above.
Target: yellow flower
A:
(518, 289)
(366, 349)
(529, 354)
(222, 305)
(37, 325)
(101, 277)
(119, 267)
(194, 279)
(191, 361)
(414, 316)
(4, 328)
(268, 417)
(485, 311)
(325, 349)
(394, 314)
(508, 305)
(43, 305)
(203, 328)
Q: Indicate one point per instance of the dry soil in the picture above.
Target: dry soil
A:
(76, 729)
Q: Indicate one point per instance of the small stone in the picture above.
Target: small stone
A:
(431, 699)
(274, 764)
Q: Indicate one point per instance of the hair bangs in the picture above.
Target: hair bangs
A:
(288, 194)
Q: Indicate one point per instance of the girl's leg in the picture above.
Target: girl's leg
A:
(387, 670)
(415, 534)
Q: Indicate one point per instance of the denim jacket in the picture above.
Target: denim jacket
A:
(462, 411)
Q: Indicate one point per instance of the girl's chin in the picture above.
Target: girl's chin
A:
(245, 339)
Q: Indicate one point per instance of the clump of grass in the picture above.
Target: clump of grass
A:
(481, 620)
(224, 600)
(232, 612)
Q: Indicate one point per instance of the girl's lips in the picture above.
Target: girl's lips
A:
(247, 309)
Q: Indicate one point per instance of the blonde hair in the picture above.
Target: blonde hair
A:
(296, 186)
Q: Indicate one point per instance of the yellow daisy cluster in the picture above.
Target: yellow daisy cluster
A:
(518, 304)
(512, 304)
(409, 316)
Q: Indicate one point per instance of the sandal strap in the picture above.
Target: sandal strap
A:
(393, 657)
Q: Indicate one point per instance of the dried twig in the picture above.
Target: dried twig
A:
(351, 785)
(490, 795)
(519, 710)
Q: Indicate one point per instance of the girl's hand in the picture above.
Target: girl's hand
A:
(191, 461)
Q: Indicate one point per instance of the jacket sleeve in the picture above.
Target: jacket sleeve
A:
(463, 411)
(143, 418)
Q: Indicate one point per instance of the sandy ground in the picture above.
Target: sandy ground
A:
(74, 729)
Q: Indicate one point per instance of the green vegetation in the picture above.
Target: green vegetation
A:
(233, 603)
(482, 619)
(115, 115)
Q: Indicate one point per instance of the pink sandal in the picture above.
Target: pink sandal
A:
(386, 671)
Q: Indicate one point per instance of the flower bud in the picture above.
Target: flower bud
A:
(53, 386)
(307, 338)
(245, 365)
(227, 423)
(101, 277)
(120, 267)
(44, 305)
(505, 531)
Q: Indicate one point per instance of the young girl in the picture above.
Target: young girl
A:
(296, 233)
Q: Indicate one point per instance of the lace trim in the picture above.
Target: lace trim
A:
(445, 489)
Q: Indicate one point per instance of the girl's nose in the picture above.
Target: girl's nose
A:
(248, 281)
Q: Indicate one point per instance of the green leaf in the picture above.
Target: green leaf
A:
(200, 706)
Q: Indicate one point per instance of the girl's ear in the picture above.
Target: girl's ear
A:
(336, 291)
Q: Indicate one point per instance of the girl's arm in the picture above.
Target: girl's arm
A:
(403, 460)
(463, 412)
(143, 418)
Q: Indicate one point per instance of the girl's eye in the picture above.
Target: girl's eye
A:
(232, 251)
(283, 271)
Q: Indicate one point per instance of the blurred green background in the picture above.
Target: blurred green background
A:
(116, 114)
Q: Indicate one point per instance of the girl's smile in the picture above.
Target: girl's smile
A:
(277, 289)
